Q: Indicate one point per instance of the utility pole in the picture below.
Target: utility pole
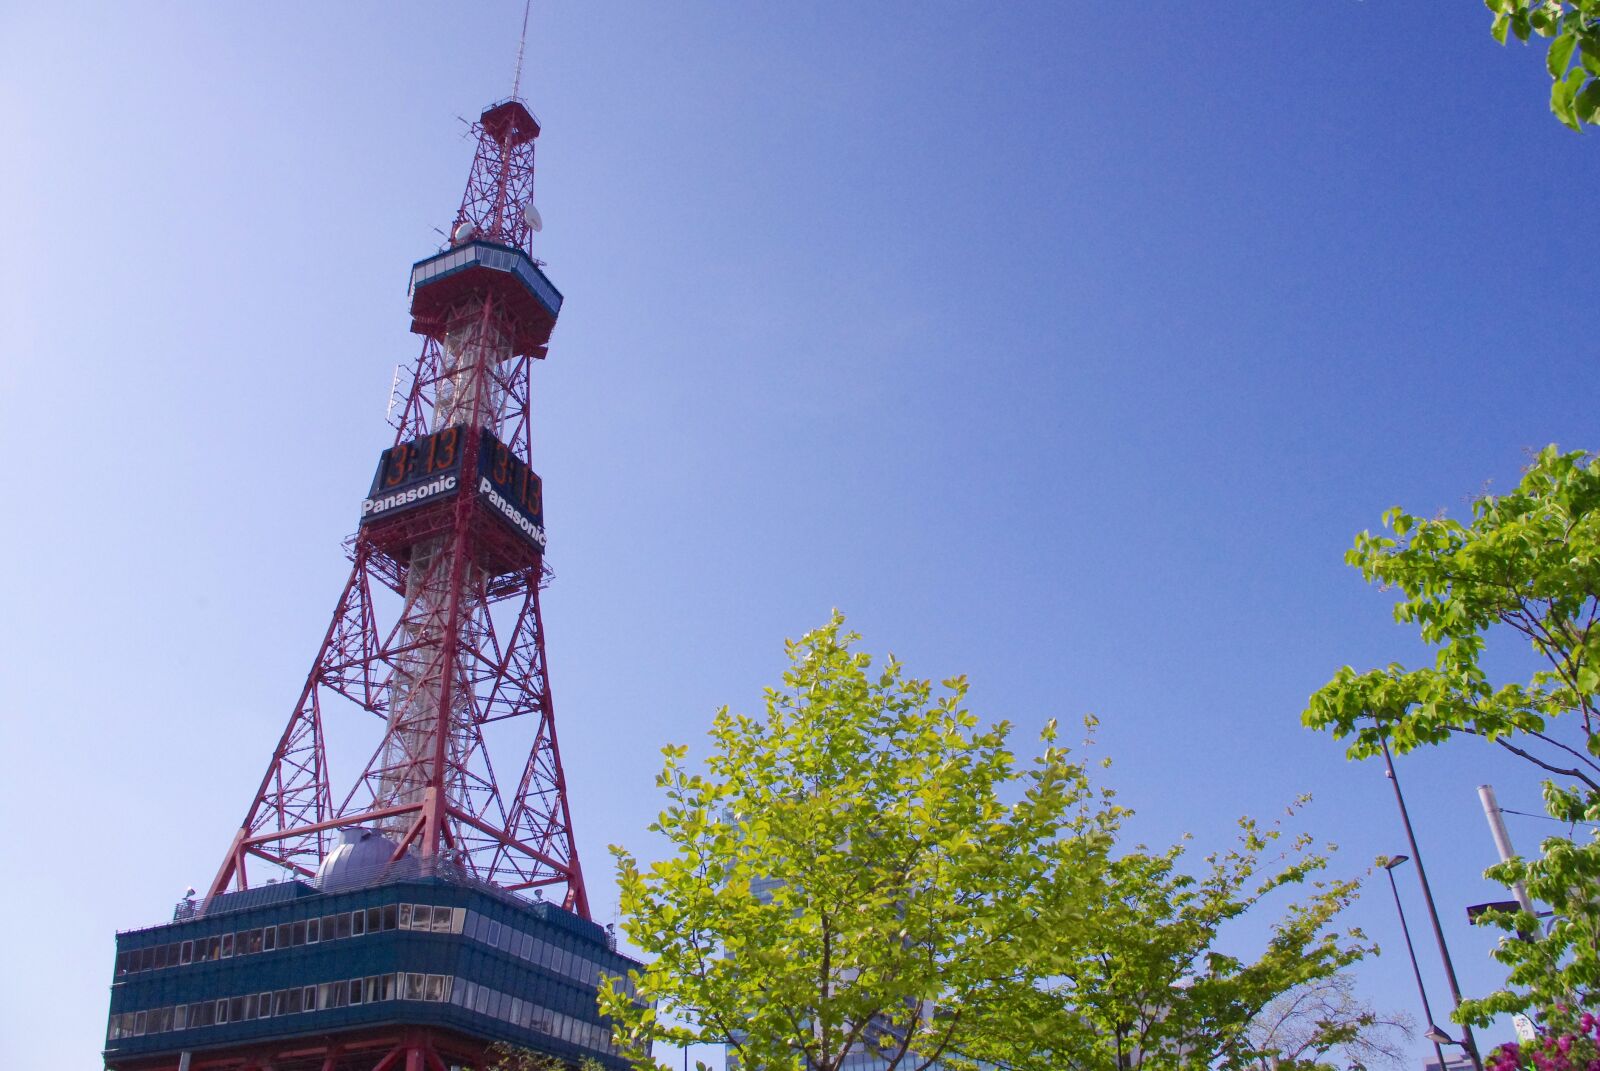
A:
(1502, 841)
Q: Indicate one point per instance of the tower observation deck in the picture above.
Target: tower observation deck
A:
(430, 910)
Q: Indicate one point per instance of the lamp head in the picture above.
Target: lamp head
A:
(1476, 910)
(1392, 861)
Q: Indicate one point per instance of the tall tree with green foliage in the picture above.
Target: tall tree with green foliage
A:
(867, 868)
(1136, 971)
(1573, 58)
(1524, 572)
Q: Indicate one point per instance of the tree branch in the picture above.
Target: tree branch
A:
(1536, 760)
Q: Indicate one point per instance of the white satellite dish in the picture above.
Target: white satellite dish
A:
(466, 231)
(531, 214)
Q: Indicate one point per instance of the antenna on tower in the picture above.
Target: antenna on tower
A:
(522, 43)
(394, 396)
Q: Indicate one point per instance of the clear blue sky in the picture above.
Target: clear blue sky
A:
(1065, 346)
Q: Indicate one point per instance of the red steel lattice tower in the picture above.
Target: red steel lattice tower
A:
(438, 632)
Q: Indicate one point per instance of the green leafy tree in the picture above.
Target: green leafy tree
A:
(1525, 569)
(1138, 975)
(504, 1057)
(1573, 58)
(867, 869)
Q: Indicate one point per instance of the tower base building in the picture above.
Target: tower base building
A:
(404, 973)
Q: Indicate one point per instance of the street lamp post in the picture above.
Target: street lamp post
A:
(1468, 1042)
(1422, 991)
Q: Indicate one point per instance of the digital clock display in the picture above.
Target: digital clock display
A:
(428, 469)
(511, 488)
(407, 464)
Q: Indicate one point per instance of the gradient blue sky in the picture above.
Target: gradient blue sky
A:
(1065, 346)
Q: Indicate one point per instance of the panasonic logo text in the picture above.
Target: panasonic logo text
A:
(383, 503)
(510, 512)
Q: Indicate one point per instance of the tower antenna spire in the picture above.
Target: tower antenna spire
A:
(522, 44)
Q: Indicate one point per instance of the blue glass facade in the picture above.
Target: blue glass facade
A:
(501, 258)
(287, 961)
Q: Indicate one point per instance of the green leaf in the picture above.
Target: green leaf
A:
(1519, 25)
(1589, 45)
(1587, 103)
(1498, 30)
(1563, 95)
(1560, 54)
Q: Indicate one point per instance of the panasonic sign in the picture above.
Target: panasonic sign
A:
(503, 506)
(380, 504)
